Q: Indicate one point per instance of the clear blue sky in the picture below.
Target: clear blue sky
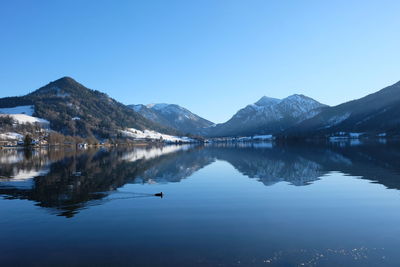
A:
(212, 57)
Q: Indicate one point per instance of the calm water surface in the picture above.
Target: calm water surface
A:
(256, 205)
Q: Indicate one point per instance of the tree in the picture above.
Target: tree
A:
(56, 138)
(6, 121)
(28, 140)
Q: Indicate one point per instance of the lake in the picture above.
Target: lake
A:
(224, 205)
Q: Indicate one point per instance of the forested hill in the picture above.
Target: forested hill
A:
(73, 109)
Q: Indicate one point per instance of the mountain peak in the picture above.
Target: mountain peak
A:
(157, 106)
(61, 87)
(173, 116)
(266, 101)
(65, 79)
(66, 82)
(269, 116)
(299, 98)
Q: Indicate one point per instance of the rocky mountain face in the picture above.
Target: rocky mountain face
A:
(173, 116)
(268, 116)
(376, 113)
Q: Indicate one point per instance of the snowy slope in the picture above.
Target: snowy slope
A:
(22, 115)
(28, 110)
(22, 119)
(173, 116)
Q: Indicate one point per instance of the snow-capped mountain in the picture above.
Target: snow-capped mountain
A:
(269, 116)
(173, 116)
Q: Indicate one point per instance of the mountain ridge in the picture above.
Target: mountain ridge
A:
(268, 116)
(375, 112)
(73, 109)
(173, 116)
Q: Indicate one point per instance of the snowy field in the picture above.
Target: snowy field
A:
(23, 119)
(153, 135)
(22, 115)
(27, 110)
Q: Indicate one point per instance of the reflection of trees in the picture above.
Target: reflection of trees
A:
(14, 161)
(78, 178)
(68, 180)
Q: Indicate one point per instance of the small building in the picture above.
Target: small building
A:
(34, 142)
(82, 145)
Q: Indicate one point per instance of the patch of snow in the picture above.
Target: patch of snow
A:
(59, 94)
(23, 175)
(22, 119)
(268, 110)
(11, 136)
(158, 106)
(267, 101)
(256, 107)
(22, 114)
(138, 107)
(337, 119)
(153, 135)
(28, 110)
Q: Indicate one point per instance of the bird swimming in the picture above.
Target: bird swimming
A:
(159, 194)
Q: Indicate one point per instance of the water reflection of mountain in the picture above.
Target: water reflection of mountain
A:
(182, 163)
(301, 164)
(68, 180)
(375, 162)
(270, 164)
